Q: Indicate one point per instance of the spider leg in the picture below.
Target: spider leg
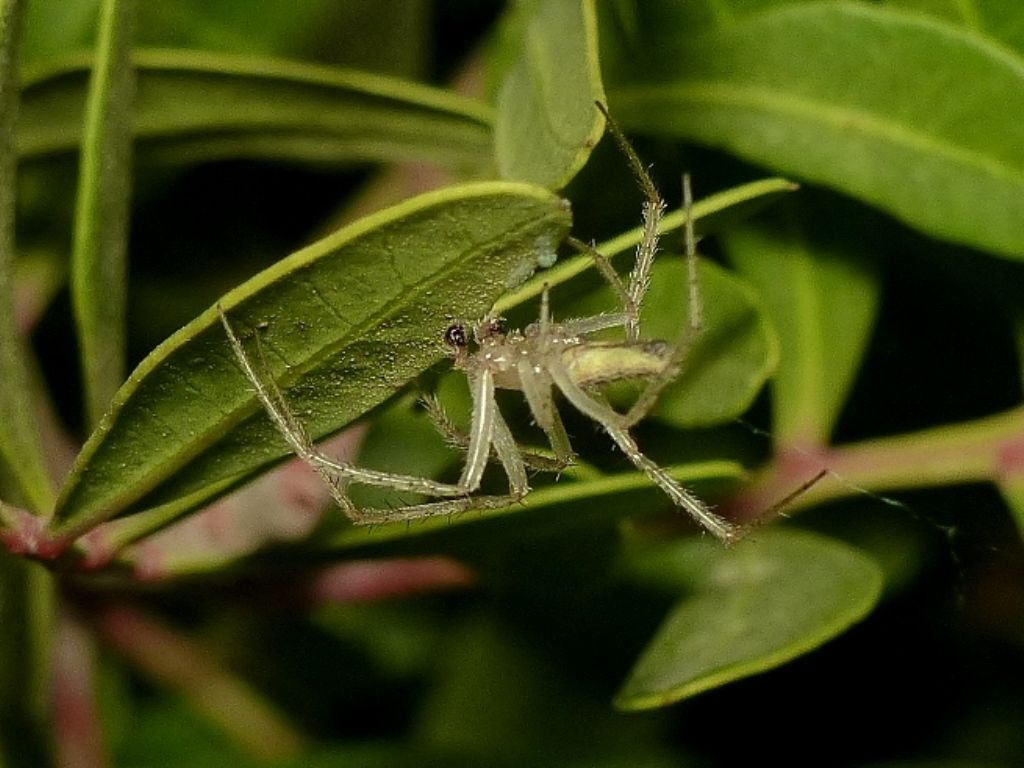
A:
(481, 430)
(653, 209)
(510, 456)
(612, 422)
(537, 391)
(536, 387)
(287, 424)
(718, 526)
(336, 474)
(412, 512)
(456, 438)
(630, 310)
(694, 327)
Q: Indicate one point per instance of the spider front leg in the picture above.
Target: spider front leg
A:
(647, 249)
(458, 439)
(694, 327)
(488, 430)
(337, 474)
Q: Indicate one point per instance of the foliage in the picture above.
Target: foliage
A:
(345, 180)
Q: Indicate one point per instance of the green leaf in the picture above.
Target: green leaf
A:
(98, 255)
(194, 106)
(1001, 20)
(20, 449)
(913, 115)
(731, 359)
(343, 323)
(749, 609)
(53, 27)
(821, 288)
(547, 123)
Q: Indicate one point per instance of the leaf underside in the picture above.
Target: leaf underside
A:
(343, 324)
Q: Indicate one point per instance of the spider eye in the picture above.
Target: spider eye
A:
(455, 336)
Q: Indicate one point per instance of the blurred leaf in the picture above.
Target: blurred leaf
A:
(20, 450)
(20, 742)
(749, 609)
(822, 294)
(166, 732)
(387, 36)
(905, 112)
(547, 123)
(39, 276)
(193, 671)
(494, 692)
(196, 106)
(99, 279)
(731, 359)
(54, 27)
(344, 324)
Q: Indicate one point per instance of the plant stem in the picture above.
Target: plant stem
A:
(182, 664)
(990, 449)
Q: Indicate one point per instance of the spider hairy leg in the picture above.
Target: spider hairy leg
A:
(337, 475)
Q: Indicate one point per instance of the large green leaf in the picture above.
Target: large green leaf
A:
(1000, 19)
(344, 324)
(746, 610)
(547, 123)
(192, 105)
(906, 112)
(98, 256)
(821, 291)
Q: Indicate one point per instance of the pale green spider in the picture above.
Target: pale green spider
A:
(547, 355)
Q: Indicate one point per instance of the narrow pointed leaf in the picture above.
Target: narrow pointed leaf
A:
(822, 292)
(547, 512)
(99, 253)
(749, 609)
(547, 122)
(193, 106)
(343, 324)
(20, 449)
(911, 114)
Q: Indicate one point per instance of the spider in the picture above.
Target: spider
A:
(547, 355)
